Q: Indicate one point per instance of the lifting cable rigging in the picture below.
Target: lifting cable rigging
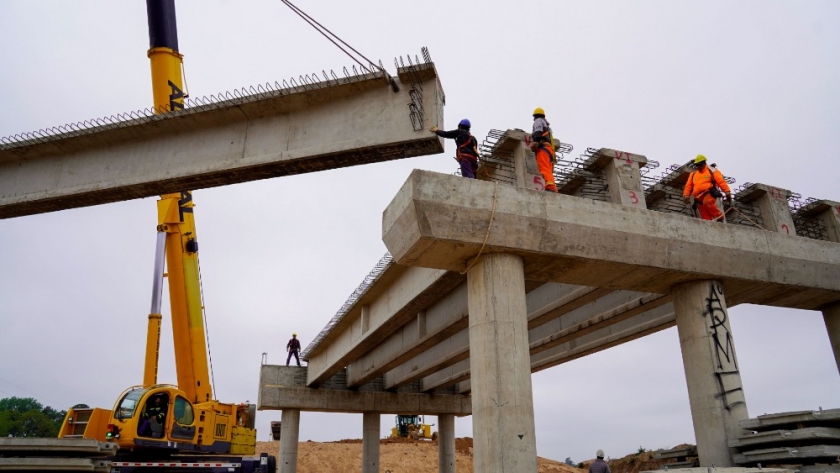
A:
(330, 35)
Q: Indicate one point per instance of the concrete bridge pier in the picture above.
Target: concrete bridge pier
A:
(446, 443)
(289, 433)
(502, 400)
(831, 315)
(370, 442)
(712, 374)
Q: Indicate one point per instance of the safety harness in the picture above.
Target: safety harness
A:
(546, 141)
(461, 151)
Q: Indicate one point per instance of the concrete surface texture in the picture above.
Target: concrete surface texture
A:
(325, 125)
(283, 387)
(446, 443)
(503, 405)
(430, 224)
(289, 433)
(370, 442)
(712, 374)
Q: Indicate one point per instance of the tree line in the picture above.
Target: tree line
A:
(26, 417)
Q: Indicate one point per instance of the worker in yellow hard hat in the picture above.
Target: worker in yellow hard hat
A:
(706, 185)
(293, 347)
(542, 144)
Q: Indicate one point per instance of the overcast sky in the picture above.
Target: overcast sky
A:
(752, 85)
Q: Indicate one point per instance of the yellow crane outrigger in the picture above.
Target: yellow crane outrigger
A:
(182, 418)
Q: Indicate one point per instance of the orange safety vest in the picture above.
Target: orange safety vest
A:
(699, 184)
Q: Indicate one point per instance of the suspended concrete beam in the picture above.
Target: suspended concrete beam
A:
(313, 127)
(430, 224)
(284, 387)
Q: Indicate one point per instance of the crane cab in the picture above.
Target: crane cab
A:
(161, 417)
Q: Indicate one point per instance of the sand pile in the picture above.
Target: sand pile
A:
(396, 455)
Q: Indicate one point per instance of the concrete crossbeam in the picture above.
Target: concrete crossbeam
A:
(325, 125)
(406, 292)
(283, 387)
(429, 224)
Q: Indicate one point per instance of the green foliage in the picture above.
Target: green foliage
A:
(641, 450)
(20, 404)
(26, 417)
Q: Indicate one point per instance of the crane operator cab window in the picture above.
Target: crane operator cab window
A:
(153, 418)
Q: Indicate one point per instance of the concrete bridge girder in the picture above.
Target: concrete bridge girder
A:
(326, 125)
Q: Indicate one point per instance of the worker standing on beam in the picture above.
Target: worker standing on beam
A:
(706, 184)
(293, 347)
(542, 144)
(466, 152)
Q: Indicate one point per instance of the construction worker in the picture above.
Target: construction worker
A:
(706, 184)
(153, 418)
(599, 465)
(466, 152)
(293, 347)
(542, 144)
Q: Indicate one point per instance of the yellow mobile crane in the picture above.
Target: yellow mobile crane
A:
(157, 420)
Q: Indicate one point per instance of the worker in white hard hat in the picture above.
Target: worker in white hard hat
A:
(599, 465)
(293, 347)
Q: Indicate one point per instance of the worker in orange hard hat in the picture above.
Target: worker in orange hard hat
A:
(706, 185)
(542, 144)
(293, 347)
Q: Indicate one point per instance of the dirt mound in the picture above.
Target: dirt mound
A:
(396, 455)
(640, 461)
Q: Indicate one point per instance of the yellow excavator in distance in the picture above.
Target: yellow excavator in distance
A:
(412, 427)
(162, 417)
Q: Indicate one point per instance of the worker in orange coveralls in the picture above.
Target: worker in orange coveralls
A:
(706, 184)
(542, 144)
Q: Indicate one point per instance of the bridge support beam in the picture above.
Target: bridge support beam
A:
(370, 442)
(289, 433)
(446, 443)
(712, 374)
(502, 400)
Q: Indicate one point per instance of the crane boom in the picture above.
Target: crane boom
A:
(175, 220)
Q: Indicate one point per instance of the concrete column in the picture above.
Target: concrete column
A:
(289, 432)
(624, 181)
(502, 400)
(370, 442)
(525, 166)
(775, 211)
(446, 443)
(712, 374)
(831, 315)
